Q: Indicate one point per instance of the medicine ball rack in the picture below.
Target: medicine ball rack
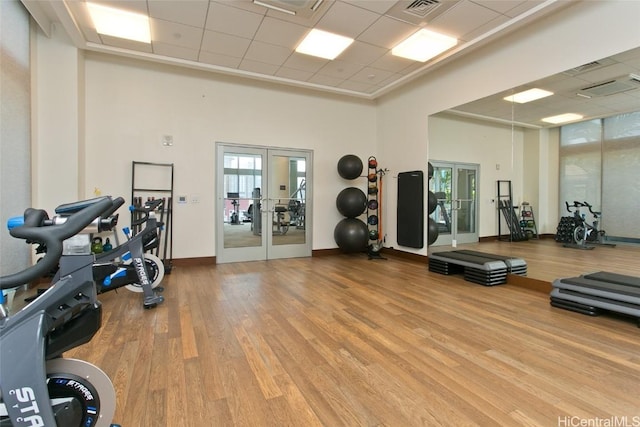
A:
(374, 207)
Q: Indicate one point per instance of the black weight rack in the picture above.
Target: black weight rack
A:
(508, 211)
(151, 181)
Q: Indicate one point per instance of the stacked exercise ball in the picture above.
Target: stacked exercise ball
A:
(351, 234)
(432, 235)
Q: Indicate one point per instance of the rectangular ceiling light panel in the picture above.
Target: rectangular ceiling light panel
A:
(562, 118)
(424, 45)
(323, 44)
(528, 96)
(120, 23)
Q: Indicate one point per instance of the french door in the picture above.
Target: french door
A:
(263, 203)
(456, 188)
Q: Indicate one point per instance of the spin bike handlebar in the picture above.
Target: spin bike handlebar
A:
(594, 213)
(37, 228)
(576, 205)
(149, 206)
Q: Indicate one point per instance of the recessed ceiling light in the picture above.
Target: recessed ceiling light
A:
(528, 95)
(120, 23)
(562, 118)
(323, 44)
(424, 45)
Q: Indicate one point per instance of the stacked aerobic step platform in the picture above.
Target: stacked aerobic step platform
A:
(477, 267)
(597, 292)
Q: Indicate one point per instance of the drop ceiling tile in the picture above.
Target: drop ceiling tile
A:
(325, 80)
(347, 20)
(500, 6)
(173, 51)
(290, 73)
(231, 20)
(299, 61)
(219, 60)
(394, 64)
(176, 34)
(606, 73)
(523, 7)
(387, 32)
(267, 53)
(357, 86)
(224, 44)
(380, 7)
(484, 29)
(258, 67)
(462, 18)
(362, 53)
(371, 75)
(281, 33)
(340, 69)
(187, 12)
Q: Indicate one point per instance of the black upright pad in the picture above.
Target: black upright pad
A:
(411, 209)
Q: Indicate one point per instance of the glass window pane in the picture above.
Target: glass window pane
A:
(245, 162)
(231, 161)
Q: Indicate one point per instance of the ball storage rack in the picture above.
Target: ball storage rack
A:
(374, 208)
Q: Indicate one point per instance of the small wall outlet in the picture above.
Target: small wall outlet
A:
(167, 140)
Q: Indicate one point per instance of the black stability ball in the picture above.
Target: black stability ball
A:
(351, 202)
(351, 235)
(350, 166)
(433, 232)
(433, 202)
(430, 171)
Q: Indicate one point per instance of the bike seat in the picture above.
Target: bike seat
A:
(70, 208)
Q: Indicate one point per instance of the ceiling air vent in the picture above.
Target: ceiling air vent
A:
(300, 8)
(419, 12)
(590, 66)
(611, 87)
(422, 8)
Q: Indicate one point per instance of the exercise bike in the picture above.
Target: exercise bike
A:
(128, 265)
(38, 387)
(581, 234)
(590, 233)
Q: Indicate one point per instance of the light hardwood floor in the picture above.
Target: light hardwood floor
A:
(347, 341)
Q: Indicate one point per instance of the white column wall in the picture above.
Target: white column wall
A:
(55, 120)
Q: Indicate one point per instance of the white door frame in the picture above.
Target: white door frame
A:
(273, 244)
(457, 204)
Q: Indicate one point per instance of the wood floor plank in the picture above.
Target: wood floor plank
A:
(346, 341)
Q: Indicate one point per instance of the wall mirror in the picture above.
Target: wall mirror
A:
(510, 141)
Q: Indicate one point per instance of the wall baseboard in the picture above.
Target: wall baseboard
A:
(192, 262)
(512, 279)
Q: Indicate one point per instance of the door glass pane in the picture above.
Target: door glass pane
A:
(440, 184)
(242, 182)
(287, 197)
(466, 185)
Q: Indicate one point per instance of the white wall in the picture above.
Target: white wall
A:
(580, 33)
(131, 104)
